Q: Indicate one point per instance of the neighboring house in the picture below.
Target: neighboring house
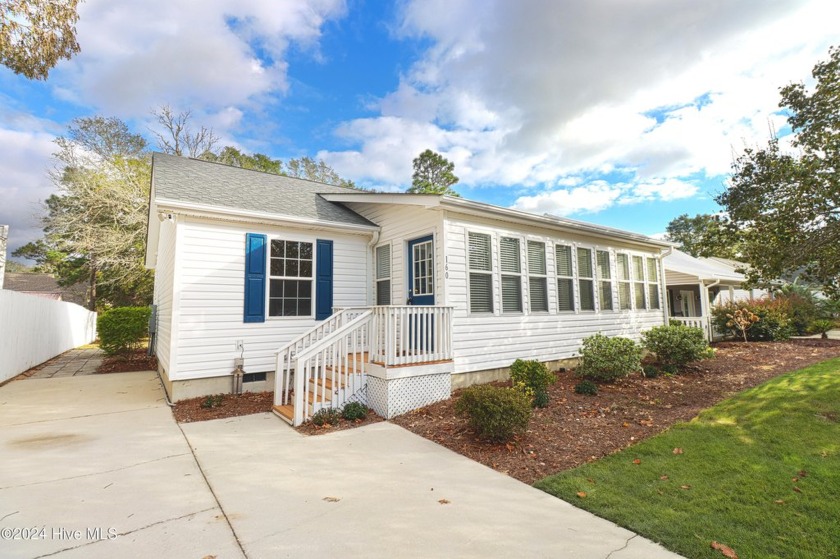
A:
(695, 285)
(391, 299)
(44, 285)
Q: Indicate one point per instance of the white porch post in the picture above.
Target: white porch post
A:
(704, 310)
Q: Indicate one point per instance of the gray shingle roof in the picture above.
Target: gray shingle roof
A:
(202, 182)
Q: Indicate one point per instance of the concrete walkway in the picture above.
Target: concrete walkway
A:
(102, 452)
(80, 361)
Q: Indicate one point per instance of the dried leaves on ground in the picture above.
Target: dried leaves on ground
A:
(136, 360)
(222, 405)
(310, 428)
(576, 428)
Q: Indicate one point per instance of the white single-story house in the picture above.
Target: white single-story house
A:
(330, 294)
(695, 285)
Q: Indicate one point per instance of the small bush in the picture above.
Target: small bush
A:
(650, 371)
(122, 329)
(821, 327)
(354, 410)
(586, 387)
(213, 401)
(325, 416)
(608, 359)
(676, 345)
(495, 414)
(773, 323)
(535, 378)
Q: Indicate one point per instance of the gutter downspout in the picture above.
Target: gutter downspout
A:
(372, 269)
(665, 309)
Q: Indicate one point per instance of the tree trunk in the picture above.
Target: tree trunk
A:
(92, 289)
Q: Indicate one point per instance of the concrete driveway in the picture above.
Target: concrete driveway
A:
(103, 452)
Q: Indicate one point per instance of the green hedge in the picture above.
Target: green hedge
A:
(676, 345)
(496, 414)
(122, 329)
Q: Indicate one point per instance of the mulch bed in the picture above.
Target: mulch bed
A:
(136, 360)
(310, 428)
(221, 406)
(575, 429)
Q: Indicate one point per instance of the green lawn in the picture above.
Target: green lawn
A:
(759, 472)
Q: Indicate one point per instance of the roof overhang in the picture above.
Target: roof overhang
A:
(480, 209)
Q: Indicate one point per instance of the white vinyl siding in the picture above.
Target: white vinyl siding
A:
(622, 272)
(639, 282)
(210, 276)
(537, 281)
(511, 268)
(604, 277)
(481, 273)
(565, 278)
(163, 295)
(383, 275)
(653, 282)
(586, 282)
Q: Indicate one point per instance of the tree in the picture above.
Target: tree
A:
(36, 34)
(177, 137)
(705, 235)
(787, 203)
(94, 227)
(309, 169)
(433, 174)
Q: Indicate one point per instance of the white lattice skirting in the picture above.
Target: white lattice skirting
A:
(392, 397)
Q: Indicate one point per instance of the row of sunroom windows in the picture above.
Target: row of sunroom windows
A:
(580, 271)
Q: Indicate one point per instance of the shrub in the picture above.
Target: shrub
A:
(325, 416)
(676, 345)
(535, 378)
(769, 319)
(608, 359)
(213, 401)
(649, 371)
(496, 414)
(122, 329)
(586, 387)
(821, 327)
(354, 410)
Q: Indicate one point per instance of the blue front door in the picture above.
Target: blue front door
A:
(421, 271)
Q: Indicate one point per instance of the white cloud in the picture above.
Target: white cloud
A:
(524, 94)
(211, 54)
(590, 198)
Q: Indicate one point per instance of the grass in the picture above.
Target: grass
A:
(759, 472)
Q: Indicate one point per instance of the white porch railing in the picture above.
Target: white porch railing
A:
(407, 335)
(701, 322)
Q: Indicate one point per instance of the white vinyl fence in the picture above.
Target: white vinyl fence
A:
(35, 329)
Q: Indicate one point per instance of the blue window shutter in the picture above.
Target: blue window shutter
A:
(324, 280)
(255, 247)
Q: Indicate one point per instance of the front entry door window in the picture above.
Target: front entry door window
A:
(421, 280)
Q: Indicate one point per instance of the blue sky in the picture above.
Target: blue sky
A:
(621, 113)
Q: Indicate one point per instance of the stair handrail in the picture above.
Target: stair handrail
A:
(301, 373)
(338, 316)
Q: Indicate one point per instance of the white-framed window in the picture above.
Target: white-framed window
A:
(639, 283)
(565, 278)
(622, 272)
(653, 282)
(537, 280)
(480, 260)
(383, 275)
(586, 281)
(511, 272)
(290, 278)
(602, 261)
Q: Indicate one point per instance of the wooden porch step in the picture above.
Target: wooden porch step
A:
(286, 413)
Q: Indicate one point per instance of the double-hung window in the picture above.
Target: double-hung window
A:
(639, 282)
(537, 280)
(586, 282)
(481, 272)
(383, 275)
(565, 278)
(290, 278)
(622, 265)
(511, 268)
(653, 282)
(604, 279)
